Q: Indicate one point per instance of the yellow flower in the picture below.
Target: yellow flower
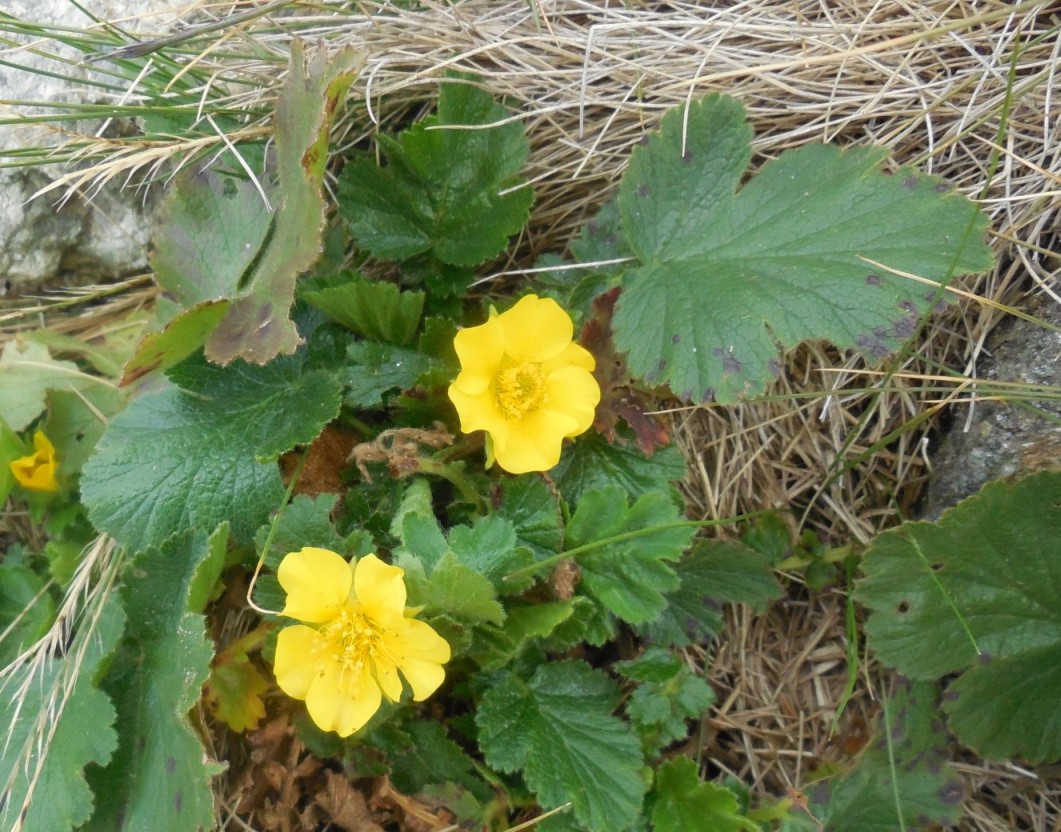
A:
(362, 636)
(37, 471)
(526, 383)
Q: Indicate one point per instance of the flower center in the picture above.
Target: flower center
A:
(352, 639)
(520, 390)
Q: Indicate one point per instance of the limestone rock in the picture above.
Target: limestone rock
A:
(83, 239)
(1004, 439)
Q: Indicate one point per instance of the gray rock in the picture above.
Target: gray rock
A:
(1002, 439)
(82, 239)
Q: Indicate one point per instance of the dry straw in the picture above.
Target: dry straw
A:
(966, 89)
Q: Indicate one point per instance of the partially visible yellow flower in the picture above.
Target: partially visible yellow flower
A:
(526, 383)
(37, 471)
(361, 636)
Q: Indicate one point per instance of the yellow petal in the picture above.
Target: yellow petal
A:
(387, 676)
(534, 441)
(575, 393)
(317, 583)
(37, 471)
(574, 355)
(423, 677)
(477, 412)
(536, 329)
(380, 589)
(480, 350)
(419, 653)
(294, 665)
(342, 700)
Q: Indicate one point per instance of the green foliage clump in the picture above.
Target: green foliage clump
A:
(275, 414)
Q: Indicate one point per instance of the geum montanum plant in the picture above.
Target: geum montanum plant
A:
(548, 595)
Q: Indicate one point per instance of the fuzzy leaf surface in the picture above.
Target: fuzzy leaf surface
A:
(446, 190)
(81, 733)
(987, 573)
(26, 612)
(558, 727)
(715, 572)
(684, 803)
(727, 276)
(27, 373)
(157, 778)
(629, 577)
(257, 326)
(373, 370)
(197, 454)
(591, 462)
(374, 309)
(668, 695)
(920, 785)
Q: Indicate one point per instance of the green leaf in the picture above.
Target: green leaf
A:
(452, 589)
(26, 610)
(374, 370)
(628, 576)
(668, 696)
(55, 721)
(449, 191)
(590, 463)
(157, 778)
(11, 448)
(684, 803)
(488, 547)
(306, 521)
(496, 647)
(725, 277)
(978, 594)
(208, 572)
(27, 373)
(910, 777)
(197, 455)
(212, 225)
(533, 508)
(374, 309)
(559, 729)
(425, 756)
(177, 340)
(713, 573)
(257, 326)
(76, 422)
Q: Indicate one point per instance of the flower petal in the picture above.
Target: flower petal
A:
(317, 583)
(386, 673)
(37, 471)
(536, 329)
(480, 350)
(423, 677)
(380, 589)
(419, 653)
(477, 412)
(294, 665)
(575, 393)
(574, 355)
(341, 699)
(534, 441)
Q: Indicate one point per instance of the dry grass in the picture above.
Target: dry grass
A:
(968, 90)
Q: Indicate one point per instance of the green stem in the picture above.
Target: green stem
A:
(455, 475)
(550, 562)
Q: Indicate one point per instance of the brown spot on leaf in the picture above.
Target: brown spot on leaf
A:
(873, 279)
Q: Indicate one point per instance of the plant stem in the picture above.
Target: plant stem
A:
(550, 562)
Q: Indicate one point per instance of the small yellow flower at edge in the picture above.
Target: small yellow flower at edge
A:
(357, 635)
(37, 471)
(526, 383)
